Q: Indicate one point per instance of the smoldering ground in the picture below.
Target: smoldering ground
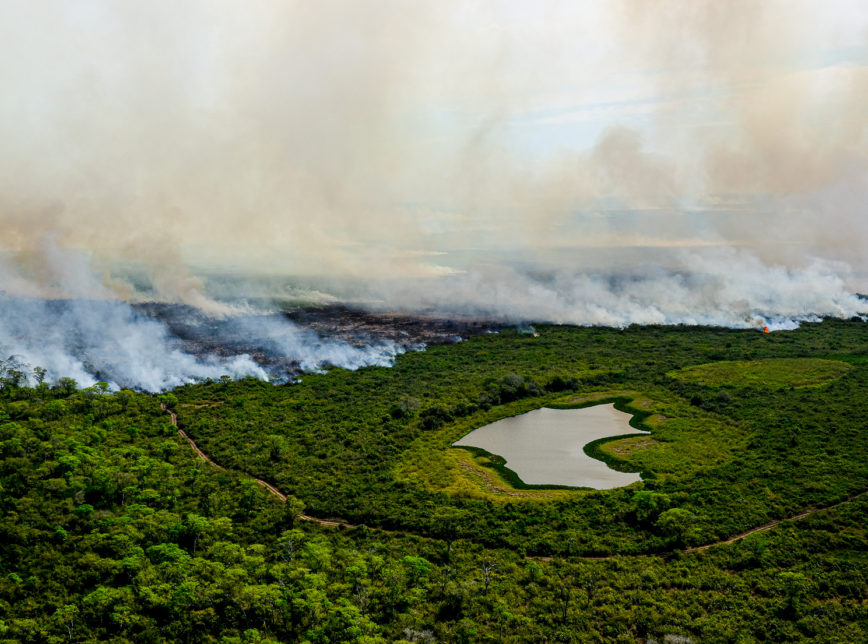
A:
(159, 348)
(63, 316)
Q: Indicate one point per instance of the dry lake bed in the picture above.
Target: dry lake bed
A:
(544, 446)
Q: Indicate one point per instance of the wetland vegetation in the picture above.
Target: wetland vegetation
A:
(113, 529)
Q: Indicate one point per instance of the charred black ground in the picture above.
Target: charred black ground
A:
(357, 326)
(260, 335)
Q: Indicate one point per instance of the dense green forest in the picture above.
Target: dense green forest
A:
(114, 529)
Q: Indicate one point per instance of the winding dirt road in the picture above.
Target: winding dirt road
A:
(733, 539)
(772, 524)
(268, 486)
(337, 523)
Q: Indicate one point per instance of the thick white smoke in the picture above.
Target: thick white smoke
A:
(277, 336)
(632, 161)
(105, 340)
(344, 138)
(62, 318)
(716, 286)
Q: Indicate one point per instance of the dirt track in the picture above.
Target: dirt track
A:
(267, 486)
(772, 524)
(733, 539)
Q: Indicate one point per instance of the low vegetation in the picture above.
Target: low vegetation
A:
(772, 373)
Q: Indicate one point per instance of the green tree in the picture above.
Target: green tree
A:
(677, 524)
(66, 616)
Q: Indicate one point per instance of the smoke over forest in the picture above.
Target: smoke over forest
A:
(588, 163)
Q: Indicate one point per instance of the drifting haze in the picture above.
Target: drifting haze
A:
(602, 163)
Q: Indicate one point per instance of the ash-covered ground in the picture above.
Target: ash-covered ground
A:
(358, 327)
(304, 338)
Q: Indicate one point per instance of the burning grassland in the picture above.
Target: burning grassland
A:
(156, 346)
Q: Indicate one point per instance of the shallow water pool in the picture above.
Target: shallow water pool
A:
(544, 446)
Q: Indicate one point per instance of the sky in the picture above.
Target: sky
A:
(589, 162)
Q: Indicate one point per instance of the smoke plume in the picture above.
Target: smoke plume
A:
(62, 318)
(593, 163)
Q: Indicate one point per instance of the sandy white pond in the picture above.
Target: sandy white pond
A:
(544, 446)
